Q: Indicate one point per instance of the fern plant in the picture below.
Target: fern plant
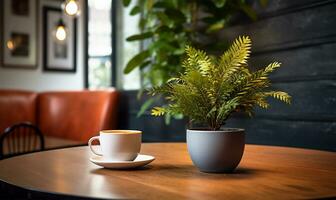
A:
(211, 89)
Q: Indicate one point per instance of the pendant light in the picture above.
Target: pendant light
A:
(10, 45)
(71, 7)
(60, 33)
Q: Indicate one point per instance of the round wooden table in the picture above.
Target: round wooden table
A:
(265, 172)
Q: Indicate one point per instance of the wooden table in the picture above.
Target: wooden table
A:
(265, 172)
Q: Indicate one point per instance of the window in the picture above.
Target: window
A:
(100, 49)
(99, 44)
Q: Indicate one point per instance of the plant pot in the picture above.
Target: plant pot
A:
(216, 151)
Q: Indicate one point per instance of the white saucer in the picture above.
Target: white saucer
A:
(139, 161)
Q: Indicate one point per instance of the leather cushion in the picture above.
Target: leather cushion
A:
(17, 106)
(77, 115)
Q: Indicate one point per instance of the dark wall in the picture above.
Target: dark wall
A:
(302, 35)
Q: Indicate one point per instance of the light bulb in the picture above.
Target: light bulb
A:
(10, 45)
(61, 33)
(71, 8)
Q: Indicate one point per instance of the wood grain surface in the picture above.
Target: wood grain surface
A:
(265, 172)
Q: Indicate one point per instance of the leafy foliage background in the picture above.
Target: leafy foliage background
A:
(167, 26)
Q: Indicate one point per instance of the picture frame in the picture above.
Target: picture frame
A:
(58, 56)
(19, 38)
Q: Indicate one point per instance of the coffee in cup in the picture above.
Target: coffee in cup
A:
(118, 145)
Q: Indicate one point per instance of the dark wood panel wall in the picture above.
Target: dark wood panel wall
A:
(301, 35)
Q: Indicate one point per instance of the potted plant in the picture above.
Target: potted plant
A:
(208, 92)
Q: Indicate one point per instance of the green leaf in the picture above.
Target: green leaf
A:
(149, 4)
(163, 47)
(140, 92)
(145, 107)
(162, 29)
(175, 15)
(216, 26)
(142, 23)
(248, 10)
(219, 3)
(163, 4)
(178, 116)
(145, 64)
(282, 96)
(163, 18)
(167, 118)
(158, 111)
(136, 61)
(135, 10)
(139, 36)
(126, 2)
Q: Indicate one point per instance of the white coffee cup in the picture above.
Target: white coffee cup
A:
(118, 145)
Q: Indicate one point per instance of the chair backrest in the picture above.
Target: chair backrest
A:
(16, 106)
(19, 139)
(77, 115)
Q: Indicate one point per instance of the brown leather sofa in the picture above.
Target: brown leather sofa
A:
(75, 115)
(17, 106)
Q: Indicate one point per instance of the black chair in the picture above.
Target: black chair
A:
(20, 139)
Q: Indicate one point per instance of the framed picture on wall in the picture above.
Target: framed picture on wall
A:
(19, 33)
(59, 41)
